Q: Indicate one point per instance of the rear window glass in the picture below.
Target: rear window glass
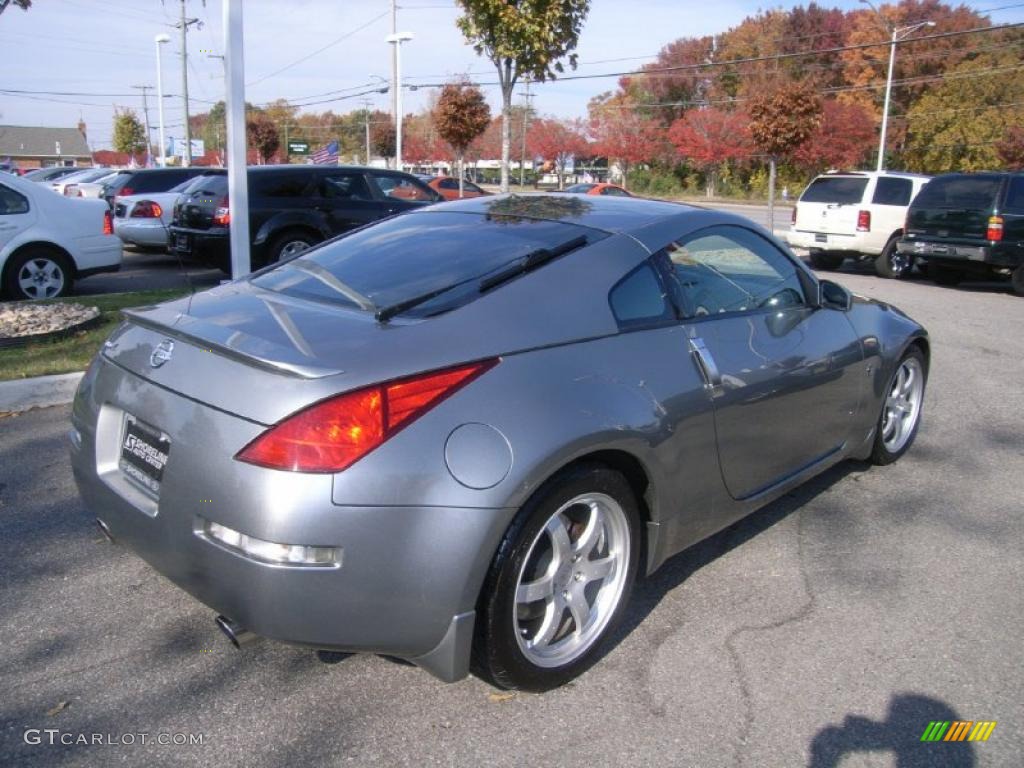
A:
(579, 189)
(159, 181)
(408, 256)
(1015, 195)
(117, 181)
(959, 192)
(892, 191)
(844, 190)
(216, 184)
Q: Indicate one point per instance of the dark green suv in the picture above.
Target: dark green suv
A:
(969, 223)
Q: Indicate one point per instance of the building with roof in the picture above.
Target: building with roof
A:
(32, 146)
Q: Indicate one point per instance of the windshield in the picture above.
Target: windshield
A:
(408, 256)
(959, 192)
(843, 190)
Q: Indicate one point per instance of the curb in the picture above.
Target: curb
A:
(38, 392)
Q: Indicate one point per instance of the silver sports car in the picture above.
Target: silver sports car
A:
(458, 435)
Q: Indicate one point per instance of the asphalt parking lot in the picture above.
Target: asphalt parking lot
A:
(827, 629)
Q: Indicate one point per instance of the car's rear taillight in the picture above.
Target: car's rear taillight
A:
(995, 228)
(71, 190)
(108, 222)
(222, 215)
(334, 434)
(147, 209)
(863, 221)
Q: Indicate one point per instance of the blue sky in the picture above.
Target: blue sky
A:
(106, 46)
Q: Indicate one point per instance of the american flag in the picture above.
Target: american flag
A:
(327, 154)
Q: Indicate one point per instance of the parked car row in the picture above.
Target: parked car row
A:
(950, 226)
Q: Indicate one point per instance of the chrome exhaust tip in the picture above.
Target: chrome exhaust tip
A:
(105, 530)
(236, 633)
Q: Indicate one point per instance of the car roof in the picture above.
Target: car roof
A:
(641, 218)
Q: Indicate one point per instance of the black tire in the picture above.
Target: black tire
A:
(54, 264)
(826, 261)
(289, 243)
(943, 275)
(893, 264)
(881, 454)
(497, 654)
(1017, 280)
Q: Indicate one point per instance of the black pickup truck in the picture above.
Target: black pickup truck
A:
(969, 223)
(291, 208)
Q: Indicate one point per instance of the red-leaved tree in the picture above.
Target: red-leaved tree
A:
(558, 141)
(710, 137)
(1011, 148)
(623, 135)
(845, 136)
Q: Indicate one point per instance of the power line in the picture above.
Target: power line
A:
(319, 50)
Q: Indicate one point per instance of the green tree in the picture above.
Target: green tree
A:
(129, 135)
(781, 120)
(522, 38)
(461, 115)
(958, 124)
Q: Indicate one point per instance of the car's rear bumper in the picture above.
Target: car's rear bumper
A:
(406, 579)
(149, 232)
(210, 246)
(829, 241)
(998, 255)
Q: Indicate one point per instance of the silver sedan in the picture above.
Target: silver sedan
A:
(458, 436)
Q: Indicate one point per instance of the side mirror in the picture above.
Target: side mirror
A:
(834, 296)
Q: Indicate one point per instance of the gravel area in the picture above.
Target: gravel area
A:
(18, 319)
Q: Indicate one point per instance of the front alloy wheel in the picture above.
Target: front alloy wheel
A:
(560, 579)
(901, 412)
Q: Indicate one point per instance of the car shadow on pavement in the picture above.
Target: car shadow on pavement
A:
(900, 733)
(677, 569)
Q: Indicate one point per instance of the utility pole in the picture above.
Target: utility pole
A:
(394, 61)
(522, 155)
(287, 152)
(366, 121)
(145, 114)
(183, 25)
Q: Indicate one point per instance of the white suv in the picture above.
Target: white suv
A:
(857, 214)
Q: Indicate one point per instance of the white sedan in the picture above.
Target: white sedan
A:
(143, 219)
(48, 241)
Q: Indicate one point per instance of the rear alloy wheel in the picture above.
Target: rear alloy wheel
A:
(826, 261)
(901, 412)
(559, 582)
(287, 245)
(1017, 280)
(893, 264)
(38, 273)
(942, 275)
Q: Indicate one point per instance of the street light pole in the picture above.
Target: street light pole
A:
(160, 40)
(397, 40)
(898, 34)
(238, 188)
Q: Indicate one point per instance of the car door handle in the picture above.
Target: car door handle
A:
(706, 364)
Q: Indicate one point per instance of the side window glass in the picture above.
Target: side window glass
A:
(12, 202)
(401, 189)
(638, 299)
(448, 184)
(277, 185)
(1015, 195)
(730, 269)
(890, 191)
(349, 186)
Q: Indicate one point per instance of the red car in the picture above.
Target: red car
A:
(597, 189)
(448, 186)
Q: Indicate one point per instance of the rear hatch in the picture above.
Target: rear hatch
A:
(953, 208)
(830, 204)
(197, 206)
(263, 347)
